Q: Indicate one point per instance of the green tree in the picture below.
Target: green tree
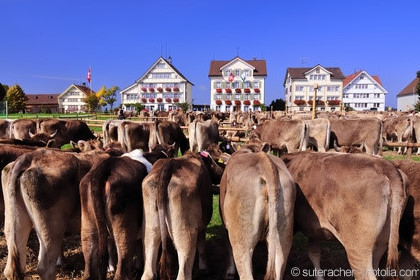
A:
(110, 96)
(138, 106)
(16, 99)
(278, 105)
(92, 102)
(184, 106)
(3, 91)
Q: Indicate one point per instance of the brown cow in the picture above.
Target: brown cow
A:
(41, 190)
(201, 134)
(65, 131)
(257, 196)
(291, 135)
(20, 129)
(356, 198)
(177, 199)
(5, 126)
(169, 133)
(110, 131)
(366, 132)
(111, 199)
(410, 222)
(133, 135)
(319, 134)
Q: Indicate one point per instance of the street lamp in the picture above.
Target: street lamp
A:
(314, 101)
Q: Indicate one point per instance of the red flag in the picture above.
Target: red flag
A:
(89, 75)
(231, 77)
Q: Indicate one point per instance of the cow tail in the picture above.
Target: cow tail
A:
(381, 138)
(157, 133)
(328, 133)
(162, 201)
(122, 135)
(398, 202)
(96, 189)
(271, 184)
(183, 141)
(304, 136)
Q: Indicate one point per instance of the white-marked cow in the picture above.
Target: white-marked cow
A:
(356, 199)
(41, 191)
(291, 135)
(257, 196)
(112, 207)
(365, 132)
(177, 199)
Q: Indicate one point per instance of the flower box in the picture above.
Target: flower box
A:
(159, 89)
(176, 99)
(218, 90)
(168, 89)
(151, 89)
(144, 100)
(143, 89)
(247, 102)
(228, 90)
(238, 90)
(237, 102)
(176, 88)
(299, 102)
(159, 99)
(247, 90)
(256, 90)
(318, 103)
(256, 103)
(151, 100)
(228, 102)
(334, 102)
(218, 102)
(168, 100)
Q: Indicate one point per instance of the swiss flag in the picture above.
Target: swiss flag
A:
(231, 77)
(89, 75)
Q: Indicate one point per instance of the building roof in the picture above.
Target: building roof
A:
(410, 89)
(84, 89)
(299, 72)
(259, 64)
(169, 62)
(42, 99)
(351, 77)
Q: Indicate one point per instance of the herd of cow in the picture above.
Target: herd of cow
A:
(131, 193)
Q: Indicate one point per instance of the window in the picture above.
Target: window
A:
(217, 108)
(237, 97)
(235, 84)
(345, 95)
(247, 73)
(256, 84)
(299, 88)
(246, 108)
(218, 96)
(227, 72)
(247, 84)
(160, 65)
(237, 72)
(317, 70)
(227, 108)
(228, 96)
(161, 75)
(218, 85)
(299, 97)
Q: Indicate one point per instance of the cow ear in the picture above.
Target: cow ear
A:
(73, 144)
(265, 147)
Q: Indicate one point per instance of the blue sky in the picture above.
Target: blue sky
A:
(48, 45)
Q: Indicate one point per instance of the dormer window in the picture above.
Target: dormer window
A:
(317, 70)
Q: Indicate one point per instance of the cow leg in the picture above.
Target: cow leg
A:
(125, 234)
(151, 241)
(314, 253)
(361, 262)
(231, 269)
(186, 246)
(201, 246)
(17, 228)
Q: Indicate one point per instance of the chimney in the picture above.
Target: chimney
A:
(84, 84)
(170, 60)
(255, 58)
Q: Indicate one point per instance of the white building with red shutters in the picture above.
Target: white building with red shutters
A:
(237, 84)
(160, 88)
(364, 92)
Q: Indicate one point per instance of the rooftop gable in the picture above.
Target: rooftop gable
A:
(410, 89)
(83, 89)
(296, 73)
(159, 60)
(259, 66)
(351, 78)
